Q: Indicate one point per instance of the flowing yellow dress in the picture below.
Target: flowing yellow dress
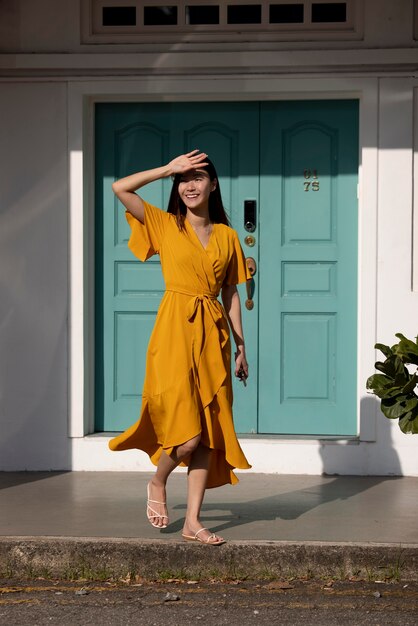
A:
(187, 386)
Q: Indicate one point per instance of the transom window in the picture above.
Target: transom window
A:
(128, 20)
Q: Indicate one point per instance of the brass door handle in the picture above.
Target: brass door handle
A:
(252, 268)
(251, 264)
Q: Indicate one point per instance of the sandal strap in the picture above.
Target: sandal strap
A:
(208, 540)
(154, 513)
(157, 502)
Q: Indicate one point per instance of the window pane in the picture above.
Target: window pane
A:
(244, 14)
(208, 14)
(119, 16)
(286, 14)
(160, 16)
(329, 12)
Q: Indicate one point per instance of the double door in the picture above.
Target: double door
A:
(288, 176)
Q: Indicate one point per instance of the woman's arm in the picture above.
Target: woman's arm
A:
(232, 305)
(125, 188)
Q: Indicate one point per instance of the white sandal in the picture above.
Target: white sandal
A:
(207, 541)
(152, 513)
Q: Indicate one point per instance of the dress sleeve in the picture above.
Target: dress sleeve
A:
(237, 271)
(146, 238)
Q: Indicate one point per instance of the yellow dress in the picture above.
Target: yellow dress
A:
(187, 386)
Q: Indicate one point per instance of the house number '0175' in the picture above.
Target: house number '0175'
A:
(311, 182)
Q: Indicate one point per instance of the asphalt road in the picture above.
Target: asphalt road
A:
(172, 603)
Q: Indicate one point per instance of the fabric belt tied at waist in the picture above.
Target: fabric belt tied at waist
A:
(208, 302)
(206, 299)
(204, 311)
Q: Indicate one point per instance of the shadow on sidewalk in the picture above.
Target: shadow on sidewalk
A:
(283, 506)
(14, 479)
(336, 458)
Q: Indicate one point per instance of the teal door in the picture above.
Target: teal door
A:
(133, 137)
(298, 162)
(308, 262)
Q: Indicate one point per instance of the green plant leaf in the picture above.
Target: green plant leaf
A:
(379, 383)
(400, 368)
(409, 423)
(395, 385)
(383, 367)
(411, 404)
(394, 368)
(406, 349)
(392, 392)
(379, 380)
(405, 424)
(414, 424)
(410, 386)
(393, 408)
(402, 379)
(387, 351)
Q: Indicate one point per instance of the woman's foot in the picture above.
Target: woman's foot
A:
(156, 505)
(201, 535)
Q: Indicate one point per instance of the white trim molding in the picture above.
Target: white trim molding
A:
(415, 193)
(225, 61)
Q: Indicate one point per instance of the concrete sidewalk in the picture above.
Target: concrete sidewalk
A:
(276, 525)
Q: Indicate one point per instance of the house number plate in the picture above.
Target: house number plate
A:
(311, 181)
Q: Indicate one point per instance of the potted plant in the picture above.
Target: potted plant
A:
(395, 385)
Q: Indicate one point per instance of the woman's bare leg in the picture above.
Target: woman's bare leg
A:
(157, 484)
(197, 480)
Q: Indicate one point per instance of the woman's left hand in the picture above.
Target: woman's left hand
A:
(241, 364)
(186, 162)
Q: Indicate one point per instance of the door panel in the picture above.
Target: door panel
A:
(307, 214)
(308, 268)
(298, 161)
(133, 137)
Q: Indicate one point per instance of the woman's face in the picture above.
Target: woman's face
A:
(195, 188)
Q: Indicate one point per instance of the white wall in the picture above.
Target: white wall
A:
(388, 23)
(397, 303)
(33, 277)
(41, 26)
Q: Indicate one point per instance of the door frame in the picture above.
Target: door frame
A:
(82, 96)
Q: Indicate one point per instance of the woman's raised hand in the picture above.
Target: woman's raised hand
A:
(187, 162)
(125, 187)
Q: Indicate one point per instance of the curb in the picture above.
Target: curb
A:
(103, 558)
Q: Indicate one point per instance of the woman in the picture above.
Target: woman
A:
(186, 415)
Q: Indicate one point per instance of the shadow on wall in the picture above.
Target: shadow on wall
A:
(373, 457)
(34, 397)
(34, 278)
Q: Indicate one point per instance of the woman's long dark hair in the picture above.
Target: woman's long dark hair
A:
(217, 213)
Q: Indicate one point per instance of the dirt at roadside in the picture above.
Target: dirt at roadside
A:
(236, 603)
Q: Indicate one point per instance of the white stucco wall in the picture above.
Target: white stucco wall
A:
(41, 26)
(33, 277)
